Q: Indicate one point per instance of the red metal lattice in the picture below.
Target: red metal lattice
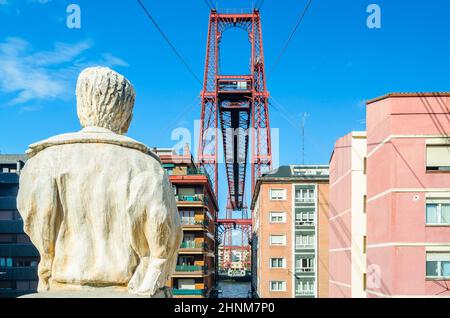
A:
(240, 104)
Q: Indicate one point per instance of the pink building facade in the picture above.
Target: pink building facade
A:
(408, 196)
(347, 220)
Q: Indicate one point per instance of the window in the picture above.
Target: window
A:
(438, 157)
(277, 286)
(304, 241)
(304, 264)
(438, 211)
(186, 260)
(26, 285)
(278, 240)
(6, 262)
(277, 263)
(6, 215)
(277, 217)
(305, 288)
(277, 194)
(438, 265)
(186, 283)
(187, 217)
(304, 218)
(304, 195)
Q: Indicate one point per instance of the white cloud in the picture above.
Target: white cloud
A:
(4, 2)
(109, 59)
(42, 1)
(30, 75)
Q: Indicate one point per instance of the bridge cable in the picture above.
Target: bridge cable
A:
(300, 19)
(169, 42)
(259, 4)
(209, 4)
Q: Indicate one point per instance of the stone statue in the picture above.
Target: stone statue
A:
(97, 205)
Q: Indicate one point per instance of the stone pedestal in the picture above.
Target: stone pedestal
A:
(97, 293)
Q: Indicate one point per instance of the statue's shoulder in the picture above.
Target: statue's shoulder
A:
(92, 135)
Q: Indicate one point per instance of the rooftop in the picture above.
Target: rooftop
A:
(292, 173)
(298, 172)
(417, 94)
(12, 159)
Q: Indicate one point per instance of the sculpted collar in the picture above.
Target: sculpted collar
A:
(90, 135)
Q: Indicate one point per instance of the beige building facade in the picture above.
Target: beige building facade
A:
(290, 239)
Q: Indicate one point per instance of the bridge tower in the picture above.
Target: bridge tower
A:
(235, 109)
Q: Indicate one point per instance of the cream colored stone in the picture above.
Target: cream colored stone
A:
(97, 205)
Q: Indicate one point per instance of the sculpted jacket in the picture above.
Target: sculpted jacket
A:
(101, 211)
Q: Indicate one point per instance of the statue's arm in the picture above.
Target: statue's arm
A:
(157, 235)
(37, 202)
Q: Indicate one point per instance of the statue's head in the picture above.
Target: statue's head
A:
(105, 99)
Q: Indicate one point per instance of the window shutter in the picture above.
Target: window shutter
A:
(438, 156)
(438, 257)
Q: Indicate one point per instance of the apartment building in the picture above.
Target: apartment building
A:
(235, 258)
(18, 257)
(408, 195)
(290, 239)
(348, 217)
(195, 275)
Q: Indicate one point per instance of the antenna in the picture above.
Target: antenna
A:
(304, 116)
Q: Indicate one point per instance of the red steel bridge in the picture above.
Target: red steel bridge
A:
(235, 110)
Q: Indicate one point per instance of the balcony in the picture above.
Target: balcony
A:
(195, 223)
(194, 198)
(19, 250)
(10, 178)
(304, 246)
(196, 171)
(8, 203)
(194, 245)
(11, 226)
(189, 292)
(303, 293)
(303, 200)
(19, 273)
(303, 270)
(190, 268)
(304, 223)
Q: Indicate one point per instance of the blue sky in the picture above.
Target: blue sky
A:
(331, 66)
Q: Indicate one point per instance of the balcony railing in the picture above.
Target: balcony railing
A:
(304, 200)
(304, 246)
(304, 292)
(191, 198)
(190, 268)
(189, 292)
(304, 222)
(196, 171)
(193, 244)
(192, 221)
(304, 269)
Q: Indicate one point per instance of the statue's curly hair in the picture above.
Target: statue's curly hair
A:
(105, 99)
